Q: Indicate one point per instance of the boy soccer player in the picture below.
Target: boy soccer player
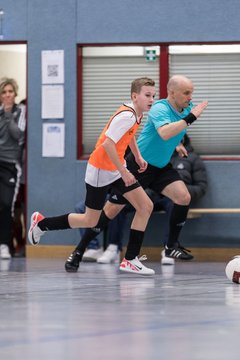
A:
(107, 169)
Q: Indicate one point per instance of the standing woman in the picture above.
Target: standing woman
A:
(12, 134)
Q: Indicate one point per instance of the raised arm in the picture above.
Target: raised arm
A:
(169, 130)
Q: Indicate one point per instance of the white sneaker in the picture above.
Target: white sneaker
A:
(4, 252)
(135, 266)
(110, 255)
(34, 232)
(166, 260)
(92, 255)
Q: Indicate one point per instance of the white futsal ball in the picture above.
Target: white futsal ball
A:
(233, 270)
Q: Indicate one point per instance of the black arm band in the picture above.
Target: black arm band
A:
(190, 118)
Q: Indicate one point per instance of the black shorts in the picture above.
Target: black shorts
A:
(153, 177)
(96, 196)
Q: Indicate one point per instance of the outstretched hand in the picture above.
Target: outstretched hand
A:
(197, 110)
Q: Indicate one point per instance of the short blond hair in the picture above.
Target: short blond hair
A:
(8, 81)
(137, 84)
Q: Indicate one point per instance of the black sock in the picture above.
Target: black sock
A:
(54, 223)
(176, 223)
(93, 232)
(134, 244)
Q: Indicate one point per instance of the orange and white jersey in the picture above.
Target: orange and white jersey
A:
(121, 128)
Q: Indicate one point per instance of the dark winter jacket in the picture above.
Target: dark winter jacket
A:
(192, 171)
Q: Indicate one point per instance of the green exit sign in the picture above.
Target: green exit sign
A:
(150, 55)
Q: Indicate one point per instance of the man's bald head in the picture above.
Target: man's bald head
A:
(180, 90)
(177, 81)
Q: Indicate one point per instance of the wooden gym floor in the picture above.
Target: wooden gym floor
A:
(189, 311)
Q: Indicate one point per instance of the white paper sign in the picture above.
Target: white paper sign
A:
(53, 137)
(53, 67)
(52, 102)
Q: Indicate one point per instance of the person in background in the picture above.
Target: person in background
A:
(18, 243)
(12, 137)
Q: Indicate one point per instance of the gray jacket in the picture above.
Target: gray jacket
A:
(12, 134)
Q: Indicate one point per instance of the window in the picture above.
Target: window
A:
(107, 73)
(215, 71)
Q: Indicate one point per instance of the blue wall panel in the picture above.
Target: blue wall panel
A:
(15, 19)
(157, 21)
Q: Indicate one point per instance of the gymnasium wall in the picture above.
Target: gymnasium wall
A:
(55, 184)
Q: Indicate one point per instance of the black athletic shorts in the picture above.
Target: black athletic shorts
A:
(153, 177)
(96, 196)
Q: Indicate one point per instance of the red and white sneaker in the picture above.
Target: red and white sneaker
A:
(34, 232)
(135, 266)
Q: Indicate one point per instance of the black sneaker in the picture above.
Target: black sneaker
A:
(178, 252)
(72, 263)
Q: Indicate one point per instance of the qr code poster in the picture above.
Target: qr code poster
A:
(53, 67)
(53, 70)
